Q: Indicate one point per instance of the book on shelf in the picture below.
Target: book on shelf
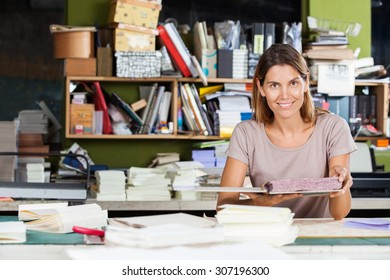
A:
(332, 54)
(188, 113)
(163, 113)
(370, 72)
(151, 118)
(151, 95)
(198, 68)
(13, 232)
(101, 105)
(173, 52)
(63, 219)
(195, 109)
(126, 108)
(181, 47)
(202, 110)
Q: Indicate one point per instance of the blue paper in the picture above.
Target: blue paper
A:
(373, 223)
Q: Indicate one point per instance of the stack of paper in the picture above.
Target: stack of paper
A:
(148, 184)
(35, 172)
(162, 231)
(186, 173)
(12, 232)
(271, 225)
(111, 185)
(62, 218)
(33, 121)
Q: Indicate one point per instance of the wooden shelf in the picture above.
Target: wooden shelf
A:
(171, 82)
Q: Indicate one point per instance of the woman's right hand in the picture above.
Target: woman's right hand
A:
(271, 199)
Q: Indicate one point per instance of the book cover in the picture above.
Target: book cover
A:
(151, 120)
(127, 109)
(174, 53)
(202, 110)
(181, 47)
(149, 104)
(194, 107)
(164, 110)
(101, 105)
(189, 117)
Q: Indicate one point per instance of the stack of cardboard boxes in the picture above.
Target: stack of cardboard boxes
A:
(76, 45)
(135, 30)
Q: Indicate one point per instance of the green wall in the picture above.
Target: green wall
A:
(344, 10)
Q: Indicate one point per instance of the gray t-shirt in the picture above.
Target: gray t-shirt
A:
(331, 137)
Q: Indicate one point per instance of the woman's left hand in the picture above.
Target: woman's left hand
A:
(345, 178)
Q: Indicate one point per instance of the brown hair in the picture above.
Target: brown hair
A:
(279, 54)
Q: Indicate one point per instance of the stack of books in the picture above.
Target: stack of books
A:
(271, 225)
(111, 185)
(35, 172)
(185, 179)
(148, 184)
(232, 110)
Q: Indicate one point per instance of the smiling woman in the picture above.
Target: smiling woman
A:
(288, 138)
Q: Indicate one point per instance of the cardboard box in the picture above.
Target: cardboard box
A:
(135, 12)
(74, 44)
(133, 38)
(80, 67)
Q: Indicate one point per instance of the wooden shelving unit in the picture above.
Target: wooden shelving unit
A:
(172, 84)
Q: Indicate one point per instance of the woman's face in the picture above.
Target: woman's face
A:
(284, 90)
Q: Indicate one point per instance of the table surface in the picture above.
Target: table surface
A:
(319, 239)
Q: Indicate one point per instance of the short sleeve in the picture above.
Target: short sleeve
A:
(339, 140)
(238, 145)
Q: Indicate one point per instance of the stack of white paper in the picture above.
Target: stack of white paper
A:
(148, 184)
(185, 179)
(12, 232)
(111, 184)
(35, 172)
(271, 225)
